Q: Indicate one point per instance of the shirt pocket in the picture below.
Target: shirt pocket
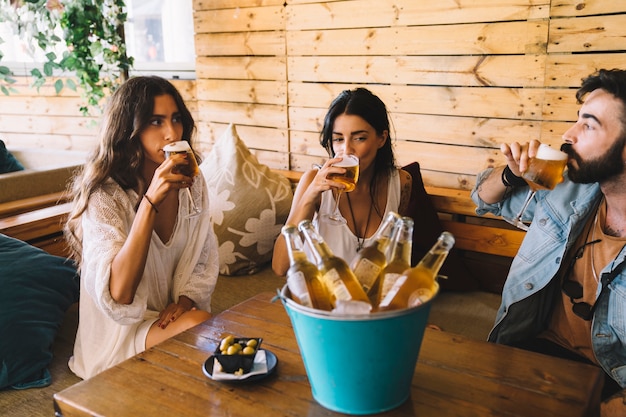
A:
(617, 309)
(545, 237)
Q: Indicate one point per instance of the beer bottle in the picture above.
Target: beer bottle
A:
(399, 257)
(371, 259)
(344, 289)
(417, 285)
(303, 277)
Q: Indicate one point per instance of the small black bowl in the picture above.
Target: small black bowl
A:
(232, 363)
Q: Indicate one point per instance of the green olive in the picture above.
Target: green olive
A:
(232, 350)
(248, 350)
(252, 343)
(226, 342)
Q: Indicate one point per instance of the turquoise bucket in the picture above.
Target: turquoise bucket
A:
(360, 364)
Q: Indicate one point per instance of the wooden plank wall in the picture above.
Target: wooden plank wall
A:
(458, 76)
(43, 119)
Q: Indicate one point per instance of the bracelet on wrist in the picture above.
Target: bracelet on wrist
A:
(156, 210)
(509, 179)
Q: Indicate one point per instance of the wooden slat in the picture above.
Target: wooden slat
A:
(477, 70)
(68, 125)
(248, 43)
(491, 240)
(60, 106)
(24, 139)
(452, 130)
(588, 7)
(383, 13)
(265, 115)
(587, 34)
(494, 102)
(243, 91)
(567, 70)
(240, 19)
(254, 137)
(242, 68)
(35, 224)
(525, 37)
(230, 4)
(11, 208)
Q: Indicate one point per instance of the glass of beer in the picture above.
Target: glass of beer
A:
(190, 169)
(544, 172)
(349, 179)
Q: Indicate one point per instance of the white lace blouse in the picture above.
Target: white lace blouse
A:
(108, 332)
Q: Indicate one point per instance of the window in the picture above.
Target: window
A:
(159, 36)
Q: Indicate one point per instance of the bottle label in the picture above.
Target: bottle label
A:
(336, 286)
(297, 285)
(419, 296)
(387, 283)
(393, 291)
(366, 272)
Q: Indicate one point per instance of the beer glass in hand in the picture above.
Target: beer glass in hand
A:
(544, 172)
(349, 179)
(190, 169)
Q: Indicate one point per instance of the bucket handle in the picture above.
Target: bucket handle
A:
(278, 296)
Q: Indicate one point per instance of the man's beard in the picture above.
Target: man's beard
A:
(599, 169)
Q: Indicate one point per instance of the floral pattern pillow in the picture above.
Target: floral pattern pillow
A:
(248, 204)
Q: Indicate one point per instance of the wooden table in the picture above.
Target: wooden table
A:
(455, 376)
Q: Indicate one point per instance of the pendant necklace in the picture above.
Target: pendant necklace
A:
(360, 241)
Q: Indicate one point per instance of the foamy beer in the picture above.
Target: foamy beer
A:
(351, 176)
(545, 170)
(182, 146)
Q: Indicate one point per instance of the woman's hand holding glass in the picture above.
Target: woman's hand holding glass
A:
(189, 169)
(346, 177)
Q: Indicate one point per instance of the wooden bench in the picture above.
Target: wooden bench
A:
(41, 226)
(486, 243)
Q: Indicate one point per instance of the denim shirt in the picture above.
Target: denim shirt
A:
(558, 217)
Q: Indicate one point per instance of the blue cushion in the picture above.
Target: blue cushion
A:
(36, 289)
(8, 163)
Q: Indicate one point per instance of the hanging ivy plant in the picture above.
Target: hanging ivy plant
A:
(92, 34)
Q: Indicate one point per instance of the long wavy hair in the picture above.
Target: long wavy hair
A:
(365, 104)
(119, 154)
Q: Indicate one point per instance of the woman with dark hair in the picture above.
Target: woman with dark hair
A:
(356, 123)
(147, 268)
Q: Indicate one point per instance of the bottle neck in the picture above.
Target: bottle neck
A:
(319, 248)
(434, 259)
(402, 243)
(294, 245)
(401, 252)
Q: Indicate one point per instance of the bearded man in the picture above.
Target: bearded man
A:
(565, 294)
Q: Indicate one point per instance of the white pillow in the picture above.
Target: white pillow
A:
(249, 204)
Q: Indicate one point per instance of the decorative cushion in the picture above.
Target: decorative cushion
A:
(36, 290)
(248, 204)
(8, 163)
(426, 230)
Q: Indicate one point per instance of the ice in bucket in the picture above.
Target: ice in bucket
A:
(347, 358)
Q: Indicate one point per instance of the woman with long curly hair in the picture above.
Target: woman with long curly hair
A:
(148, 269)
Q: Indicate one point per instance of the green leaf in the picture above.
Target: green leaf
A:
(36, 73)
(58, 86)
(48, 69)
(69, 83)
